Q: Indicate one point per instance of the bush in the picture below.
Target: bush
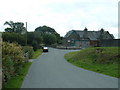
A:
(29, 51)
(35, 45)
(8, 68)
(13, 60)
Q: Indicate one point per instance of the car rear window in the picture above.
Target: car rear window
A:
(45, 48)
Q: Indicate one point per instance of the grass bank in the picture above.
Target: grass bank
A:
(17, 81)
(99, 59)
(37, 53)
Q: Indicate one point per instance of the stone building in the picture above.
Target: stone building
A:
(85, 38)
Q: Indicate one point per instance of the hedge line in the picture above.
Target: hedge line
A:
(14, 58)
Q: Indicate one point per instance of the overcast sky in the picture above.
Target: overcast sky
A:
(62, 15)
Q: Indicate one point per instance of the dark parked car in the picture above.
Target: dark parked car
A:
(45, 49)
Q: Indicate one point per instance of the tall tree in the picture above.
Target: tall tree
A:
(50, 36)
(45, 29)
(17, 27)
(11, 24)
(49, 39)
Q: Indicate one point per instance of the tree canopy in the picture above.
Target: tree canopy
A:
(49, 35)
(45, 29)
(17, 27)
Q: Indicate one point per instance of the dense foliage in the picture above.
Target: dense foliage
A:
(14, 58)
(31, 39)
(28, 50)
(34, 39)
(17, 27)
(14, 37)
(42, 35)
(49, 35)
(45, 29)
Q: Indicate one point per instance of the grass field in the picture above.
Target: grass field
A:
(99, 59)
(17, 81)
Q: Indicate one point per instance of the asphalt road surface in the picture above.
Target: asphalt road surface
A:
(51, 70)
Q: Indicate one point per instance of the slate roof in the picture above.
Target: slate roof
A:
(80, 33)
(67, 35)
(92, 35)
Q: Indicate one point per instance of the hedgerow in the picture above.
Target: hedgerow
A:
(13, 59)
(28, 51)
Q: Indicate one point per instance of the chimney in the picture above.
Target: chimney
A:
(85, 36)
(85, 29)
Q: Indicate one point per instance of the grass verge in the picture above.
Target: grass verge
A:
(17, 81)
(37, 53)
(99, 59)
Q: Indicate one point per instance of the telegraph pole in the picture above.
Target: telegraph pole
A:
(26, 34)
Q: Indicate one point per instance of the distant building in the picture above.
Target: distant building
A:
(85, 38)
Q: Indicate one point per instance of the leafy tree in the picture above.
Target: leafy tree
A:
(45, 29)
(58, 39)
(30, 38)
(17, 27)
(11, 24)
(49, 35)
(38, 37)
(49, 39)
(34, 39)
(8, 30)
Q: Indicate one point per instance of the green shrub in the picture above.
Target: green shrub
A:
(13, 60)
(13, 37)
(35, 45)
(28, 50)
(8, 68)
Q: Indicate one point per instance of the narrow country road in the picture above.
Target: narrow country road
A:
(51, 70)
